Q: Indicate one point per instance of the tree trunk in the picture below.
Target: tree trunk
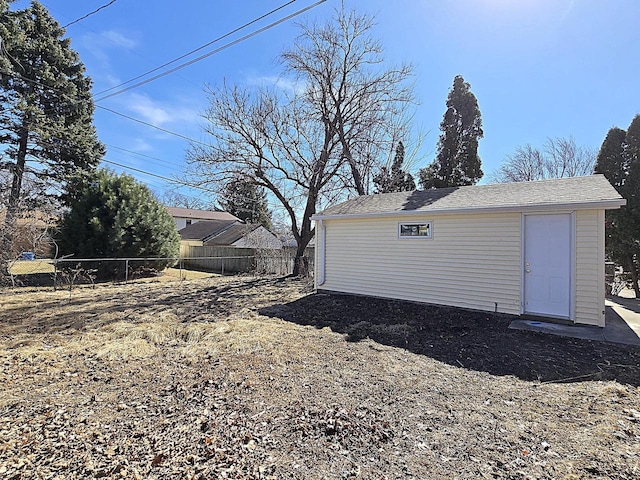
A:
(300, 262)
(13, 206)
(357, 176)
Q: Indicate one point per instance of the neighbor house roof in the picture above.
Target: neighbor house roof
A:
(204, 229)
(31, 218)
(232, 234)
(199, 214)
(576, 193)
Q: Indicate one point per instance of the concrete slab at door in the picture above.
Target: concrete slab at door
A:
(548, 251)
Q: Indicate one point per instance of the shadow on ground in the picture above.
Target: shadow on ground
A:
(87, 308)
(474, 340)
(632, 304)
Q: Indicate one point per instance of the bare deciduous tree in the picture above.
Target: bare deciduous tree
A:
(560, 157)
(523, 165)
(566, 159)
(172, 198)
(318, 139)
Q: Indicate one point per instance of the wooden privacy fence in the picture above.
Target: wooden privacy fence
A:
(239, 260)
(218, 259)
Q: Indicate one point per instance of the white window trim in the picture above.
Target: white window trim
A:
(422, 237)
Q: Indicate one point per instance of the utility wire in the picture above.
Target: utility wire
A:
(73, 101)
(208, 54)
(166, 162)
(152, 126)
(171, 71)
(181, 182)
(161, 177)
(90, 13)
(196, 49)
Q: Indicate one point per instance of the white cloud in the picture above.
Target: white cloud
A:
(99, 43)
(279, 82)
(98, 50)
(140, 145)
(172, 115)
(148, 110)
(118, 39)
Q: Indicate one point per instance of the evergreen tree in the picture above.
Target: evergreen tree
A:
(611, 160)
(46, 106)
(114, 216)
(632, 152)
(619, 161)
(394, 179)
(457, 161)
(246, 201)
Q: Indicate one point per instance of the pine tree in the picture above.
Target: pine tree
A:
(46, 107)
(394, 179)
(115, 216)
(619, 161)
(611, 160)
(246, 201)
(457, 161)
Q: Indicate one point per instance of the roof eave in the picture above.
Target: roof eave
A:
(611, 204)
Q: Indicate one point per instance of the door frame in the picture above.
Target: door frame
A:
(572, 263)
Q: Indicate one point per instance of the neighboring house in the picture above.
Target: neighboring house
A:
(232, 233)
(33, 232)
(292, 244)
(186, 216)
(528, 248)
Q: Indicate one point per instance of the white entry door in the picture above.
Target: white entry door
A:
(548, 253)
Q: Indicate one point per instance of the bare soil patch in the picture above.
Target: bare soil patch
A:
(259, 378)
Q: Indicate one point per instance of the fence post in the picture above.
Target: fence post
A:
(55, 275)
(126, 270)
(180, 263)
(222, 265)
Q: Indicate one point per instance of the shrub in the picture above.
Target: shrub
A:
(114, 216)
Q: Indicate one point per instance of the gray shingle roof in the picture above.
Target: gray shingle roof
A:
(231, 234)
(562, 191)
(204, 229)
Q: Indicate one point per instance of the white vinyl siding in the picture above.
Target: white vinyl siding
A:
(590, 288)
(472, 261)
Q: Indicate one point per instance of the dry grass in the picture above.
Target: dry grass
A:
(30, 267)
(222, 378)
(173, 274)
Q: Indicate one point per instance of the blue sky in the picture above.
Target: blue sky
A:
(539, 68)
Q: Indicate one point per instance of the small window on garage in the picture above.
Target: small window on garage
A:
(188, 222)
(414, 230)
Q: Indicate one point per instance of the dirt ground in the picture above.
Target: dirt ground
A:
(249, 378)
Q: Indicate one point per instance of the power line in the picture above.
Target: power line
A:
(173, 70)
(90, 13)
(152, 125)
(181, 182)
(166, 162)
(196, 49)
(161, 177)
(217, 50)
(73, 101)
(187, 184)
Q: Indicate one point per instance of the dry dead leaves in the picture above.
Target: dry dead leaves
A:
(249, 378)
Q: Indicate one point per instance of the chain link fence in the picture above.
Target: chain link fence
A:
(67, 272)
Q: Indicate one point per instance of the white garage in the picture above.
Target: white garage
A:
(528, 248)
